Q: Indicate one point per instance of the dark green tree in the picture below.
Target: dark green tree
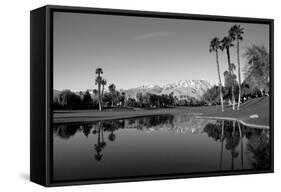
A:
(257, 68)
(112, 91)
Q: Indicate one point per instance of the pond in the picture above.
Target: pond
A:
(154, 145)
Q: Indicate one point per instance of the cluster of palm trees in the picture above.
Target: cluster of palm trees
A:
(227, 130)
(101, 82)
(234, 35)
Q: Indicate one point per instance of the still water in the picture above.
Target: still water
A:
(154, 145)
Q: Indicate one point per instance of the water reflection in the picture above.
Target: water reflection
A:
(234, 134)
(195, 144)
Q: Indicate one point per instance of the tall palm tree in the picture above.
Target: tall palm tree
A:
(236, 33)
(99, 71)
(214, 46)
(103, 83)
(98, 82)
(226, 43)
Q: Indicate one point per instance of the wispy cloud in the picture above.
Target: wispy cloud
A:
(153, 35)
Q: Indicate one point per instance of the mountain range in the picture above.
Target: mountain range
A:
(180, 89)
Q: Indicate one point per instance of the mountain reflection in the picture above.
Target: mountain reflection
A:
(237, 141)
(182, 124)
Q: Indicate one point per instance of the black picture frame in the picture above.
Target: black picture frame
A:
(41, 80)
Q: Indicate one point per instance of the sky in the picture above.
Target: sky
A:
(135, 51)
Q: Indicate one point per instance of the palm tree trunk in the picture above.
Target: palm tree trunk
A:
(232, 83)
(102, 95)
(239, 75)
(99, 96)
(218, 68)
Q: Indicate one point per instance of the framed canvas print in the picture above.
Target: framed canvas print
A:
(119, 95)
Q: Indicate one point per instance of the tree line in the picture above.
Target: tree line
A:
(256, 69)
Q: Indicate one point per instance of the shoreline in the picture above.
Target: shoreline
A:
(235, 119)
(197, 115)
(61, 121)
(90, 116)
(257, 106)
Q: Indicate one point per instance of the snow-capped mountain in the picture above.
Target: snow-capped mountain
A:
(189, 83)
(181, 89)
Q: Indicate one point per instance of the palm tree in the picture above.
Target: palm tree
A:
(226, 43)
(103, 83)
(99, 71)
(214, 46)
(112, 89)
(236, 33)
(98, 82)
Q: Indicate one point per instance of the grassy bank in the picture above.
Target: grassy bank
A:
(259, 106)
(62, 116)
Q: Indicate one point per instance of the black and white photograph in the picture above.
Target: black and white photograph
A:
(140, 96)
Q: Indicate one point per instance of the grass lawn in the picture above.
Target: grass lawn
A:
(258, 106)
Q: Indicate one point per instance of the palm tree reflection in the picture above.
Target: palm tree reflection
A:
(232, 142)
(257, 147)
(102, 127)
(241, 145)
(100, 143)
(250, 143)
(221, 140)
